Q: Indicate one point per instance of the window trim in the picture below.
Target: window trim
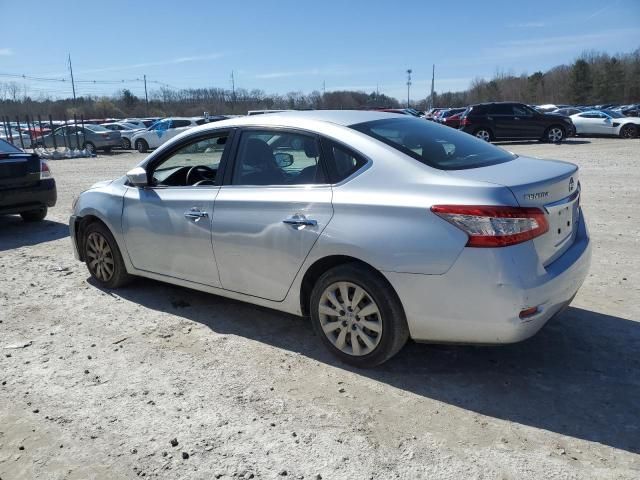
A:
(227, 181)
(153, 161)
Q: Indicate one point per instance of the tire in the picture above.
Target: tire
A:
(629, 131)
(142, 146)
(103, 257)
(126, 144)
(34, 215)
(555, 134)
(483, 134)
(89, 147)
(386, 329)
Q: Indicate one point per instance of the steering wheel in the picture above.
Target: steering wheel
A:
(201, 171)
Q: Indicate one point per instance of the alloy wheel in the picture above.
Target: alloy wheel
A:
(100, 257)
(555, 134)
(628, 131)
(483, 135)
(350, 318)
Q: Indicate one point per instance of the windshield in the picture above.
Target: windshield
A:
(434, 145)
(96, 128)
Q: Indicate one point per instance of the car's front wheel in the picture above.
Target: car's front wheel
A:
(358, 316)
(103, 257)
(629, 131)
(554, 134)
(142, 146)
(90, 147)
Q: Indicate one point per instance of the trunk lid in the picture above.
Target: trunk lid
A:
(19, 170)
(550, 185)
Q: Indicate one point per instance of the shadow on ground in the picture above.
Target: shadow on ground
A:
(580, 376)
(15, 233)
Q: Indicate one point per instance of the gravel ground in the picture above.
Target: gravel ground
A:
(103, 381)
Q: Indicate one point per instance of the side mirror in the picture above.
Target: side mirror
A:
(283, 159)
(137, 177)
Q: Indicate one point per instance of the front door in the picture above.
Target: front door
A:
(270, 213)
(167, 226)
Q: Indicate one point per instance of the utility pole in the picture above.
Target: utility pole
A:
(73, 84)
(433, 79)
(324, 88)
(233, 89)
(409, 72)
(146, 97)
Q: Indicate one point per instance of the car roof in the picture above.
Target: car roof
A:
(292, 118)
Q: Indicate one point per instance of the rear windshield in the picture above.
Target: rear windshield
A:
(6, 147)
(97, 128)
(435, 145)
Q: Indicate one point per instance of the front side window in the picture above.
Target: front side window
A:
(439, 147)
(278, 158)
(193, 164)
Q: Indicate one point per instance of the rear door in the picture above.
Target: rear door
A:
(274, 205)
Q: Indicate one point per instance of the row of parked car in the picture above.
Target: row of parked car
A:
(93, 135)
(511, 120)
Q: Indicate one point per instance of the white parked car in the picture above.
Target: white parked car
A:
(161, 131)
(134, 121)
(606, 122)
(127, 131)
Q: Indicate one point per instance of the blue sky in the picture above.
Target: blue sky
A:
(282, 46)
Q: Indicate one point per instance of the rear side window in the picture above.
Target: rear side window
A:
(343, 161)
(502, 109)
(435, 145)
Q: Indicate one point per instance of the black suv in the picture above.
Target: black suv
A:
(26, 185)
(514, 121)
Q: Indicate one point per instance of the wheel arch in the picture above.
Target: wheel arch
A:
(322, 265)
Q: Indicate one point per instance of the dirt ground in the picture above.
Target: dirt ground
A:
(96, 384)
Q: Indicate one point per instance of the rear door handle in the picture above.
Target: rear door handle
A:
(300, 221)
(195, 214)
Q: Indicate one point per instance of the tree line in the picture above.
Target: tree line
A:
(591, 79)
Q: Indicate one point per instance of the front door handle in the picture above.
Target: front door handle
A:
(300, 221)
(195, 214)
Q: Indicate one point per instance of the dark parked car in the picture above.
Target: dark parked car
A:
(514, 121)
(26, 184)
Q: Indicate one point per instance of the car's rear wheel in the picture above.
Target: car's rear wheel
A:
(90, 147)
(36, 215)
(358, 316)
(142, 146)
(483, 134)
(126, 144)
(629, 131)
(554, 134)
(103, 257)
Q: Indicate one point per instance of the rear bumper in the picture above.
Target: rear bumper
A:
(16, 200)
(479, 299)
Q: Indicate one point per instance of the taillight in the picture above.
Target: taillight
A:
(464, 121)
(45, 171)
(492, 226)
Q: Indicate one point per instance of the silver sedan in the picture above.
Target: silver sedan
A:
(379, 227)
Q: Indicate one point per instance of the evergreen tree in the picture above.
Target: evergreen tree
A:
(580, 82)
